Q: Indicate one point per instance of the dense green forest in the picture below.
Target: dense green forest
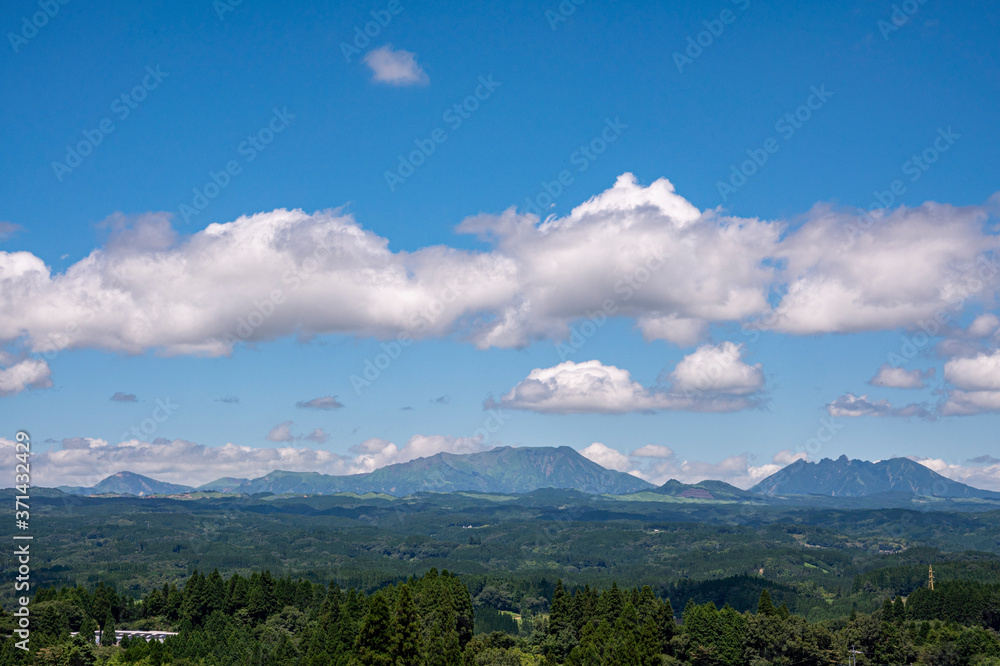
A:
(511, 549)
(551, 577)
(431, 619)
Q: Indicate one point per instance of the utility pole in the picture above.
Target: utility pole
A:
(853, 656)
(930, 576)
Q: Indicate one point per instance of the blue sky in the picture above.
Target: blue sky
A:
(753, 344)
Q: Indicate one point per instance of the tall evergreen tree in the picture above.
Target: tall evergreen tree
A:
(108, 630)
(559, 614)
(765, 606)
(610, 604)
(374, 641)
(88, 628)
(407, 644)
(899, 606)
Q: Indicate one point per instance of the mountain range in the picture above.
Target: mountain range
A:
(127, 483)
(509, 470)
(505, 470)
(860, 478)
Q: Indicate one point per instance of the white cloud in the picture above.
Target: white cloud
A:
(255, 279)
(632, 251)
(318, 435)
(974, 379)
(976, 382)
(984, 325)
(893, 377)
(718, 369)
(281, 433)
(398, 68)
(658, 464)
(852, 406)
(607, 457)
(374, 453)
(581, 388)
(979, 373)
(653, 451)
(28, 373)
(982, 472)
(969, 403)
(739, 470)
(839, 282)
(637, 252)
(710, 379)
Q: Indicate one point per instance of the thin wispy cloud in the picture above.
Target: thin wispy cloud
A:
(893, 377)
(324, 402)
(854, 406)
(8, 229)
(281, 433)
(395, 67)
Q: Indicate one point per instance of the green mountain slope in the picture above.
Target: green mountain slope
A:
(860, 478)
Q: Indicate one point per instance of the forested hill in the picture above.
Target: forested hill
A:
(431, 621)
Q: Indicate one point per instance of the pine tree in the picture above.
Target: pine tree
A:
(610, 604)
(88, 628)
(407, 645)
(765, 606)
(374, 640)
(108, 631)
(559, 615)
(730, 641)
(285, 652)
(666, 622)
(888, 612)
(649, 642)
(899, 607)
